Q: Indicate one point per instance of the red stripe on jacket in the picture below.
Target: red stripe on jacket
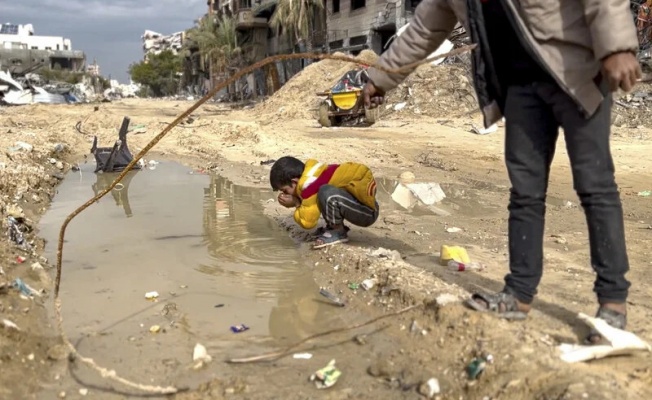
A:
(323, 179)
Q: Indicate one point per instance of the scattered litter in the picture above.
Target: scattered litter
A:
(482, 131)
(20, 259)
(475, 368)
(446, 298)
(408, 195)
(302, 356)
(400, 106)
(645, 193)
(219, 305)
(380, 252)
(9, 324)
(621, 343)
(461, 267)
(430, 388)
(334, 299)
(155, 329)
(267, 162)
(239, 328)
(353, 286)
(16, 230)
(327, 376)
(453, 230)
(25, 288)
(456, 253)
(200, 354)
(151, 295)
(368, 284)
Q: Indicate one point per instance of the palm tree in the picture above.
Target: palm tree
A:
(216, 40)
(296, 18)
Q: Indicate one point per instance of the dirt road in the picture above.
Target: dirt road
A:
(395, 362)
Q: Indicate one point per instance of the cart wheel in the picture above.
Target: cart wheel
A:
(371, 115)
(324, 119)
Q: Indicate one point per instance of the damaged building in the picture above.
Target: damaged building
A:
(355, 25)
(21, 51)
(155, 43)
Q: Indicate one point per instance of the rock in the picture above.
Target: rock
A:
(58, 352)
(406, 177)
(430, 388)
(380, 369)
(59, 165)
(14, 210)
(200, 353)
(24, 146)
(83, 391)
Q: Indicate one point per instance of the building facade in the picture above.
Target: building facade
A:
(354, 25)
(22, 51)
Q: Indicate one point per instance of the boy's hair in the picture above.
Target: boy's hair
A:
(284, 170)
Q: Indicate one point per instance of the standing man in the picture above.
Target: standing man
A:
(543, 65)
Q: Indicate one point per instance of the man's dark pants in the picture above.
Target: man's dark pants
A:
(534, 113)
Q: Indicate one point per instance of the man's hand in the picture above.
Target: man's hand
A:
(373, 97)
(289, 201)
(622, 70)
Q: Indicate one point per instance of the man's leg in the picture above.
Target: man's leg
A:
(530, 138)
(531, 133)
(587, 142)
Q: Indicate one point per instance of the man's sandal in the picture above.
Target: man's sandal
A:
(502, 304)
(330, 238)
(613, 318)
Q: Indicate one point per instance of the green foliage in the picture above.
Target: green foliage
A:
(160, 72)
(216, 41)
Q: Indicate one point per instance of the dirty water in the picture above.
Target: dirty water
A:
(199, 241)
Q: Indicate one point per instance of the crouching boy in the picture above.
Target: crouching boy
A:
(337, 192)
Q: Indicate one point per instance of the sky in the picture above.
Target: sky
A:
(109, 30)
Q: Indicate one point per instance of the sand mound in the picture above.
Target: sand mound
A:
(297, 100)
(442, 91)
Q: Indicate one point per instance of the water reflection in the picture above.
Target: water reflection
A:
(120, 193)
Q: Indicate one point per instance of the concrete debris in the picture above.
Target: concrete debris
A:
(408, 195)
(32, 89)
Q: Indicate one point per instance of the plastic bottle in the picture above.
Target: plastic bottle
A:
(458, 266)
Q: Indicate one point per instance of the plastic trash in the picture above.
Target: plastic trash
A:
(620, 343)
(368, 284)
(353, 286)
(326, 377)
(430, 388)
(456, 253)
(9, 324)
(239, 328)
(453, 230)
(460, 267)
(200, 354)
(151, 295)
(302, 356)
(155, 329)
(475, 368)
(334, 299)
(25, 288)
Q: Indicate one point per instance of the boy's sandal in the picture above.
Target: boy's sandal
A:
(330, 238)
(613, 318)
(501, 304)
(323, 229)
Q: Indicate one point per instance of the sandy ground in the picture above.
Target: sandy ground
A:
(388, 365)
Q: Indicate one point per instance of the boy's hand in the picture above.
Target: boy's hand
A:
(622, 70)
(373, 97)
(289, 201)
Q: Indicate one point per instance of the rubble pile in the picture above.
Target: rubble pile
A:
(298, 99)
(632, 110)
(433, 90)
(32, 89)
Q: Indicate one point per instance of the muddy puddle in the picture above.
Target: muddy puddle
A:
(199, 241)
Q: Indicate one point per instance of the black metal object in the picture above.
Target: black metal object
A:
(116, 158)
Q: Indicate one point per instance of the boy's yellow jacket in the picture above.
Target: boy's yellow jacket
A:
(356, 179)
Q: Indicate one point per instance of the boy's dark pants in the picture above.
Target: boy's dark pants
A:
(533, 114)
(337, 205)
